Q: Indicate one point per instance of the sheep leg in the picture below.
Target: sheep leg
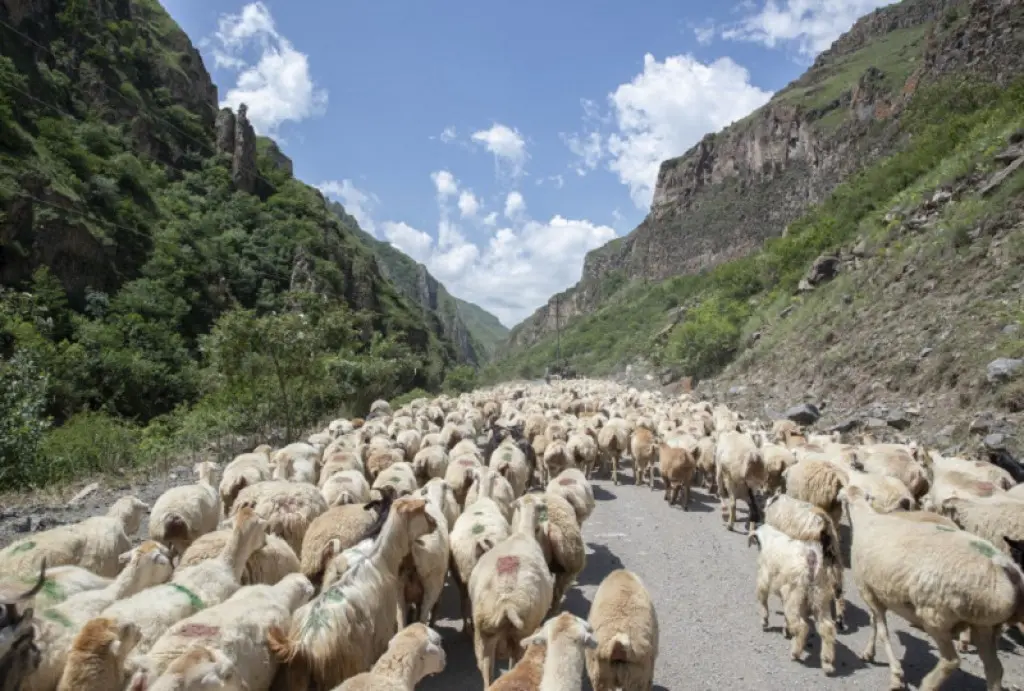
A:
(880, 629)
(964, 641)
(466, 607)
(948, 662)
(826, 631)
(431, 596)
(615, 468)
(796, 619)
(986, 639)
(686, 494)
(484, 656)
(763, 593)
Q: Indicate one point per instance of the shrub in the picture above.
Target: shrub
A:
(460, 379)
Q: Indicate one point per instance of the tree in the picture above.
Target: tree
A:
(22, 422)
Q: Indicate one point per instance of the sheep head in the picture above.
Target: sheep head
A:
(413, 510)
(251, 528)
(565, 626)
(152, 561)
(424, 645)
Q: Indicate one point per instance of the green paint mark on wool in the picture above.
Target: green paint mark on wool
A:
(477, 529)
(23, 547)
(51, 590)
(193, 599)
(946, 529)
(478, 513)
(984, 548)
(54, 615)
(542, 513)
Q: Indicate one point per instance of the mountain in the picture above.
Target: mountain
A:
(165, 280)
(475, 332)
(856, 242)
(739, 187)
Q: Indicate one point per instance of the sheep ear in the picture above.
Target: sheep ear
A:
(589, 641)
(535, 639)
(124, 558)
(115, 646)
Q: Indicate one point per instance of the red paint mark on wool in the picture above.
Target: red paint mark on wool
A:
(466, 462)
(508, 565)
(986, 489)
(566, 481)
(196, 630)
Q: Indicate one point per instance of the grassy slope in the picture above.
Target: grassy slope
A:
(955, 133)
(484, 326)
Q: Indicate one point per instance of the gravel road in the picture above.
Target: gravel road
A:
(702, 580)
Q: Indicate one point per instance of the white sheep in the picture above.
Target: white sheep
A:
(501, 490)
(510, 462)
(60, 583)
(415, 652)
(345, 487)
(481, 526)
(510, 590)
(195, 587)
(572, 485)
(148, 564)
(740, 470)
(937, 578)
(296, 462)
(423, 573)
(95, 544)
(199, 669)
(644, 448)
(561, 540)
(267, 565)
(238, 628)
(802, 520)
(244, 470)
(287, 507)
(183, 513)
(796, 572)
(96, 661)
(345, 628)
(625, 627)
(399, 476)
(567, 639)
(430, 462)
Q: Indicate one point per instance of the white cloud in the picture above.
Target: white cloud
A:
(445, 184)
(448, 134)
(809, 25)
(469, 205)
(275, 83)
(358, 203)
(413, 242)
(509, 271)
(507, 145)
(704, 34)
(587, 148)
(667, 108)
(514, 204)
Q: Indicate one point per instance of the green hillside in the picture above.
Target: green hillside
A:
(163, 290)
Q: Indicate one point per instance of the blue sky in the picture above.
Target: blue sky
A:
(498, 143)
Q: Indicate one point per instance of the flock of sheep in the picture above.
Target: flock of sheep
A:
(322, 564)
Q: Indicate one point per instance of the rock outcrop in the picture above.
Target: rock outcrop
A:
(736, 188)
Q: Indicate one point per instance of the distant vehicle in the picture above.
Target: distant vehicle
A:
(560, 370)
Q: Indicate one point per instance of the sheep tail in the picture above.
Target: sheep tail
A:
(1013, 572)
(513, 618)
(281, 646)
(616, 648)
(175, 527)
(755, 510)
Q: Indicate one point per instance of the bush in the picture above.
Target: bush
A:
(460, 380)
(89, 442)
(409, 397)
(22, 422)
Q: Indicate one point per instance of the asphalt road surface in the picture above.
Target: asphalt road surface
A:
(702, 578)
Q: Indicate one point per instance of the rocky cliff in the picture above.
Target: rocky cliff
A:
(736, 188)
(474, 331)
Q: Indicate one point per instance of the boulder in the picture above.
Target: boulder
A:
(1003, 369)
(803, 414)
